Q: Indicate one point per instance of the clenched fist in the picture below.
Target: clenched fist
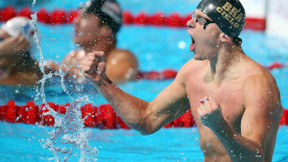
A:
(93, 65)
(210, 113)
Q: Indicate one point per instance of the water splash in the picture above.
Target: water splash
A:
(68, 134)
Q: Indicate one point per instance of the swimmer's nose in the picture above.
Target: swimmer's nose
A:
(190, 23)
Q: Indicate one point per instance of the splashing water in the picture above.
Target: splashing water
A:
(68, 134)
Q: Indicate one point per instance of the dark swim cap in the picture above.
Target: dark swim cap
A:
(229, 15)
(108, 11)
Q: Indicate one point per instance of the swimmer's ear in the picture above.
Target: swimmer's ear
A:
(225, 38)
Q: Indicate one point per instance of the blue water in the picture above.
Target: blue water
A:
(20, 142)
(156, 49)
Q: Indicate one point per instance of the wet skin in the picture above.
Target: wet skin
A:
(235, 101)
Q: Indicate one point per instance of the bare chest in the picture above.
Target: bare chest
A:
(228, 95)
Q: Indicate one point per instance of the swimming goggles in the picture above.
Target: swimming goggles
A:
(202, 20)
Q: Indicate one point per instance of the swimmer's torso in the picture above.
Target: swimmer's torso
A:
(229, 94)
(232, 112)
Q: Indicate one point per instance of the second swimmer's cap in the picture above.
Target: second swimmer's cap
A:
(109, 12)
(229, 15)
(21, 26)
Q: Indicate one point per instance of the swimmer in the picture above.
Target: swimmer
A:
(17, 66)
(96, 27)
(235, 101)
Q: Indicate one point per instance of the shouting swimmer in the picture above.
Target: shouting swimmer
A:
(235, 101)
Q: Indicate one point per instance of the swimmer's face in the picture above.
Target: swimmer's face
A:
(205, 37)
(87, 29)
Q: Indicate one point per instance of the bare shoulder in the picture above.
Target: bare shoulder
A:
(260, 89)
(121, 65)
(192, 68)
(260, 77)
(122, 54)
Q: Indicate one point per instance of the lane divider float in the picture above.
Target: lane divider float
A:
(60, 16)
(103, 116)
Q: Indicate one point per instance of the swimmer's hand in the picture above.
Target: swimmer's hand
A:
(50, 66)
(11, 46)
(210, 113)
(93, 65)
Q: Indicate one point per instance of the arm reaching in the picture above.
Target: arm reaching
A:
(145, 117)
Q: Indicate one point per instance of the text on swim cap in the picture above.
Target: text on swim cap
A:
(231, 14)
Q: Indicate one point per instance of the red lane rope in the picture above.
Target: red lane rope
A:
(60, 16)
(103, 117)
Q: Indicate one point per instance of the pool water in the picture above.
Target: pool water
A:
(156, 49)
(21, 143)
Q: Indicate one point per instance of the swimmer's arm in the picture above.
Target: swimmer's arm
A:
(13, 46)
(260, 121)
(148, 117)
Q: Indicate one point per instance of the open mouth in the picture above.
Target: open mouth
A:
(192, 45)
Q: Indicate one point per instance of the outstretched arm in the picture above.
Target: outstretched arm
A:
(146, 117)
(259, 123)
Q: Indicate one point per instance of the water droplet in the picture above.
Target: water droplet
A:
(114, 61)
(181, 44)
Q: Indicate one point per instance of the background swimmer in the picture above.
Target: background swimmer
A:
(96, 28)
(17, 67)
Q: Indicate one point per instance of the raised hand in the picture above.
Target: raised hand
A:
(210, 113)
(93, 66)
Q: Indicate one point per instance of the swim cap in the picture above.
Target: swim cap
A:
(229, 15)
(21, 26)
(109, 12)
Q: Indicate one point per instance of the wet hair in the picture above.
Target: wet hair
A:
(237, 41)
(108, 11)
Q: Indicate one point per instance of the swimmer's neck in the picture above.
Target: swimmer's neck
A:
(224, 62)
